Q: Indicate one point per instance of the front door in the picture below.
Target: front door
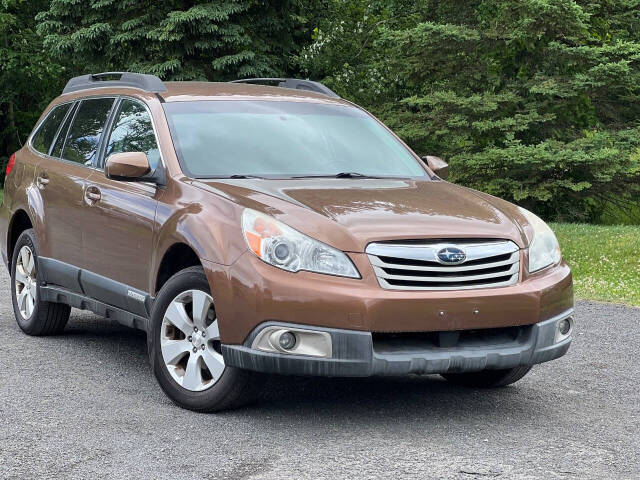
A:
(118, 231)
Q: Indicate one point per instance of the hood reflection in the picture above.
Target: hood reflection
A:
(384, 208)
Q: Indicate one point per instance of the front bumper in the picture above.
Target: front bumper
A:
(361, 354)
(250, 293)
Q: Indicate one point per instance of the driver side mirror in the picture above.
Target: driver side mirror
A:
(127, 166)
(437, 166)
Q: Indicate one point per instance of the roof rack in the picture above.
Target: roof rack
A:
(149, 83)
(294, 83)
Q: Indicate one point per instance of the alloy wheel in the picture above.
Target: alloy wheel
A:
(26, 283)
(190, 341)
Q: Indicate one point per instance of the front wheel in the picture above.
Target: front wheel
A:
(488, 378)
(184, 348)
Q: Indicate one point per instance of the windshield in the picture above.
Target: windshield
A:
(222, 138)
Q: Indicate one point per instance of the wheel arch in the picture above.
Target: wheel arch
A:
(20, 221)
(176, 257)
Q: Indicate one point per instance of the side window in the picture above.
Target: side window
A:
(57, 148)
(133, 132)
(46, 133)
(82, 141)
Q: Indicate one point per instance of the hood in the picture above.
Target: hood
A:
(350, 213)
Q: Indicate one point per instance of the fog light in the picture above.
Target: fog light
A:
(293, 341)
(287, 340)
(564, 329)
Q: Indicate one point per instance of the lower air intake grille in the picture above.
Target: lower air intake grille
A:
(455, 265)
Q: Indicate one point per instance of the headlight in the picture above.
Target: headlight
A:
(544, 249)
(286, 248)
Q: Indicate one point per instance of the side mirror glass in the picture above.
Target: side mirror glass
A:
(128, 166)
(437, 166)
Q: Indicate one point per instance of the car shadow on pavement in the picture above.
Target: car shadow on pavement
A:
(373, 398)
(405, 397)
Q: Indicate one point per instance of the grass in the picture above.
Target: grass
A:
(1, 195)
(605, 261)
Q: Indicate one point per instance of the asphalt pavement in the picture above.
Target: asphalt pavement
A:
(85, 405)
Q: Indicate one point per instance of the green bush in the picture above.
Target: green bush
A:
(29, 78)
(177, 40)
(536, 101)
(573, 181)
(622, 210)
(43, 43)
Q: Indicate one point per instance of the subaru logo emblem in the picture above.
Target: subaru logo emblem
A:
(451, 255)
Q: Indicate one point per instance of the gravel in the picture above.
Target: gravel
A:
(86, 405)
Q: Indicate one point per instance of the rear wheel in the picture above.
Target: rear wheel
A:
(185, 349)
(33, 315)
(488, 378)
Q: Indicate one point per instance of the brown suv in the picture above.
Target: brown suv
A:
(250, 228)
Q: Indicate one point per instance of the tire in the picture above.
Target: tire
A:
(34, 316)
(185, 362)
(488, 378)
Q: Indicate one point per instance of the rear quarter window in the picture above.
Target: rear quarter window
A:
(48, 128)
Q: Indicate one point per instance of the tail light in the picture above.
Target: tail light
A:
(10, 164)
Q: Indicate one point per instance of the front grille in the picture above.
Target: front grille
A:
(416, 266)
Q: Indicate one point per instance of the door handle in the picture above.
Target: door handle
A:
(42, 181)
(92, 195)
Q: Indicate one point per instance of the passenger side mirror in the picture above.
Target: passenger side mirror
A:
(128, 166)
(437, 165)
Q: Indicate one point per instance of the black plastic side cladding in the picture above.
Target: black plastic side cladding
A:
(60, 295)
(96, 287)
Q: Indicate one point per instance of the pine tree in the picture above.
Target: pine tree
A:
(28, 77)
(176, 40)
(535, 101)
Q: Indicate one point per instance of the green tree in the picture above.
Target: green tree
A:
(176, 40)
(536, 101)
(28, 77)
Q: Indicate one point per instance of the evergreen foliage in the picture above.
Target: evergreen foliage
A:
(535, 101)
(28, 77)
(176, 40)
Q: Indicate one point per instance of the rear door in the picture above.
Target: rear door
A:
(61, 178)
(119, 232)
(23, 175)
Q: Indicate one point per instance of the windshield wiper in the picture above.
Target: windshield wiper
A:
(215, 177)
(351, 175)
(338, 175)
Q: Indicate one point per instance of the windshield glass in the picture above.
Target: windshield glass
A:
(222, 138)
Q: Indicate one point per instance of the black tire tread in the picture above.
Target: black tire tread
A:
(53, 317)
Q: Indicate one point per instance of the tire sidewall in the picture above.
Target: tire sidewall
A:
(189, 279)
(26, 238)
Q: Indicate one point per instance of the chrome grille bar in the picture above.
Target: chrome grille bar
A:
(488, 264)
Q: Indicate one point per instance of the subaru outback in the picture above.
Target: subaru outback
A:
(269, 226)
